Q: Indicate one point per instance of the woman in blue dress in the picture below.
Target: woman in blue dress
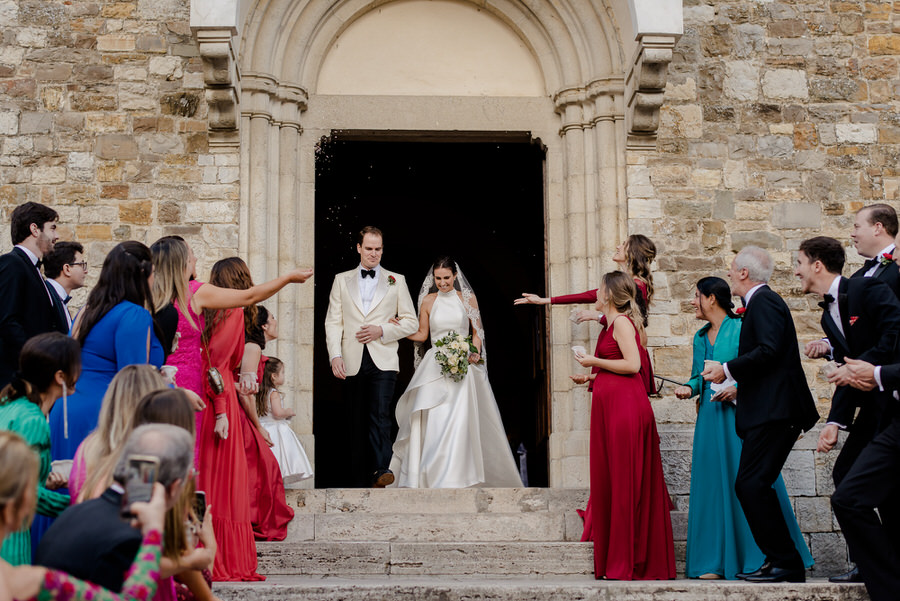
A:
(115, 328)
(719, 542)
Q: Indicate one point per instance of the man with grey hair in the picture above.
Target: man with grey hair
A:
(774, 404)
(90, 540)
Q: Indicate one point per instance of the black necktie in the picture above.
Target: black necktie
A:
(367, 273)
(39, 263)
(66, 300)
(827, 300)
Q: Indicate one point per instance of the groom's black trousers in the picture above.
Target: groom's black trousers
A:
(370, 392)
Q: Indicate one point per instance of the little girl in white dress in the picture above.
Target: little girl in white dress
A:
(274, 418)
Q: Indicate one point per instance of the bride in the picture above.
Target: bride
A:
(451, 434)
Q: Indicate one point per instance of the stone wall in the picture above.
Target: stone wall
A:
(781, 119)
(102, 116)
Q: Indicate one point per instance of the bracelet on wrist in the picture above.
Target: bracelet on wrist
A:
(221, 416)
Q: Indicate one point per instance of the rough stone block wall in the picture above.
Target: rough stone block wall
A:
(102, 116)
(780, 120)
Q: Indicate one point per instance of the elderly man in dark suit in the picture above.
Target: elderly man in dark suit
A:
(90, 540)
(27, 306)
(774, 404)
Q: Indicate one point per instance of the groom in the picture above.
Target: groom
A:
(362, 342)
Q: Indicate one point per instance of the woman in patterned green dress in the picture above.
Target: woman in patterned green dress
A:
(49, 365)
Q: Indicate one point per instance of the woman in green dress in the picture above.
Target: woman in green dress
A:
(719, 542)
(49, 365)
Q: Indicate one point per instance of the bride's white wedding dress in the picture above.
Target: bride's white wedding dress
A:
(451, 434)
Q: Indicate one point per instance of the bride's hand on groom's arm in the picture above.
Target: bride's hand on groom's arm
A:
(394, 321)
(531, 299)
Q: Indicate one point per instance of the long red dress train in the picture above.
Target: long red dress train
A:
(223, 463)
(629, 507)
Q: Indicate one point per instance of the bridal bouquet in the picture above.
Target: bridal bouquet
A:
(452, 354)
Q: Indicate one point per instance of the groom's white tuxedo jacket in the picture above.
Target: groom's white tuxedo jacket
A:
(345, 317)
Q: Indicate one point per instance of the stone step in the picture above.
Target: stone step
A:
(436, 500)
(468, 558)
(516, 588)
(466, 515)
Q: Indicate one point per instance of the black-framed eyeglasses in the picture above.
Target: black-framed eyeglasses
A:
(82, 264)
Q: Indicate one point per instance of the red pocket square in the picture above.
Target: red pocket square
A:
(853, 319)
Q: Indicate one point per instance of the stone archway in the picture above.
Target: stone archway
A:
(586, 87)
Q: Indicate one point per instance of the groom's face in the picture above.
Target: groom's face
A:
(370, 251)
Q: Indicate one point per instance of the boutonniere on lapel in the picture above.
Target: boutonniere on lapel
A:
(740, 311)
(391, 280)
(886, 258)
(853, 319)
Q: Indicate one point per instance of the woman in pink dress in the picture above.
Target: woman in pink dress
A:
(629, 504)
(175, 285)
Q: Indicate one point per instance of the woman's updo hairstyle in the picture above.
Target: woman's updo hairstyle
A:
(621, 293)
(18, 472)
(720, 290)
(444, 262)
(41, 357)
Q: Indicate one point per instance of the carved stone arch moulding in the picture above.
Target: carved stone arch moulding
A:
(650, 29)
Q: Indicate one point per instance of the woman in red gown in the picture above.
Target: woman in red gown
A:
(223, 463)
(631, 528)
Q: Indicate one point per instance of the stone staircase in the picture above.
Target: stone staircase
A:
(447, 545)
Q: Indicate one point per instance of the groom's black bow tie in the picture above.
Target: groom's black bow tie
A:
(826, 300)
(870, 263)
(367, 273)
(66, 300)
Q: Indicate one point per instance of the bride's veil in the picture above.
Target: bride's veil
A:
(469, 301)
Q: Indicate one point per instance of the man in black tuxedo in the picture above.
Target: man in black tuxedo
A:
(774, 404)
(874, 230)
(90, 540)
(65, 269)
(873, 481)
(27, 307)
(861, 317)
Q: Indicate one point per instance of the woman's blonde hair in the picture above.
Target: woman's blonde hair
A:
(18, 472)
(101, 448)
(170, 259)
(621, 293)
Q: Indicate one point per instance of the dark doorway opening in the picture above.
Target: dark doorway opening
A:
(477, 198)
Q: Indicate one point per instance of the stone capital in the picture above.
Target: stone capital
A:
(645, 86)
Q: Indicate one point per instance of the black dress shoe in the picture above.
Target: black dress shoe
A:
(744, 575)
(847, 577)
(382, 478)
(773, 574)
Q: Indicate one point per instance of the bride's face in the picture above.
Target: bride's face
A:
(443, 279)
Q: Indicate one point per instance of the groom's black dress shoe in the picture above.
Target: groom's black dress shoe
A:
(770, 573)
(382, 478)
(847, 577)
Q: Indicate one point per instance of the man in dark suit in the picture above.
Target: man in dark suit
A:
(91, 540)
(873, 482)
(65, 269)
(874, 230)
(861, 317)
(774, 404)
(26, 304)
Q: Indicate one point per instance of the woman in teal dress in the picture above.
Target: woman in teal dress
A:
(719, 542)
(48, 363)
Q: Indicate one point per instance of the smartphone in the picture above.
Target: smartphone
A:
(200, 505)
(139, 481)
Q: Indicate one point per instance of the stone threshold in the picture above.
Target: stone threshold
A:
(581, 588)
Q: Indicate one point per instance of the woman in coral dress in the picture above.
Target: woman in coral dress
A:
(629, 504)
(223, 464)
